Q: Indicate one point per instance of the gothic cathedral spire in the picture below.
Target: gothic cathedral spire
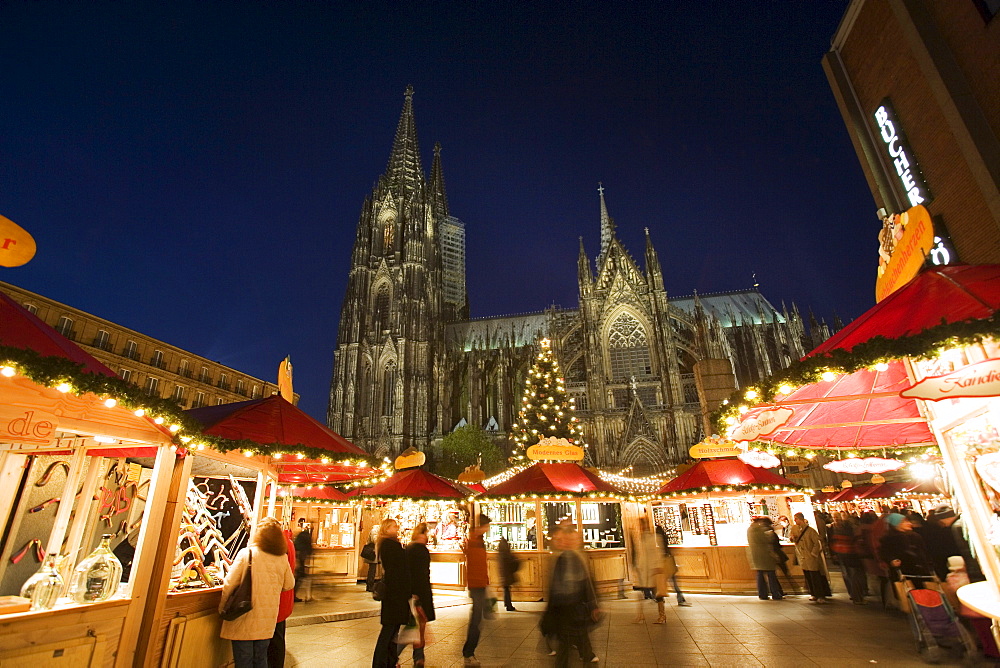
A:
(404, 169)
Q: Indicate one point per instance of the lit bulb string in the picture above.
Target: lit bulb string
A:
(915, 452)
(697, 492)
(66, 376)
(873, 354)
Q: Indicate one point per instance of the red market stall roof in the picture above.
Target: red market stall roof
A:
(552, 478)
(885, 490)
(20, 328)
(853, 411)
(322, 493)
(722, 473)
(936, 296)
(417, 484)
(277, 424)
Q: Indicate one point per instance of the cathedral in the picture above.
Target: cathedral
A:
(411, 365)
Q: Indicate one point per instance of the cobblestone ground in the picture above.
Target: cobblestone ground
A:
(714, 631)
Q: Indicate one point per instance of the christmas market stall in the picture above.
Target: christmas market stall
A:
(229, 482)
(533, 501)
(413, 495)
(85, 467)
(939, 333)
(881, 497)
(705, 513)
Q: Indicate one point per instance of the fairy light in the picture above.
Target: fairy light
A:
(7, 371)
(63, 387)
(110, 403)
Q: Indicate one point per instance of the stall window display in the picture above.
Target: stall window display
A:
(332, 526)
(600, 524)
(514, 521)
(717, 521)
(447, 521)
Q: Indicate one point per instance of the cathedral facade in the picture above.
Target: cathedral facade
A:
(410, 365)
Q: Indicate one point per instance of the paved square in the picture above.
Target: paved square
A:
(714, 631)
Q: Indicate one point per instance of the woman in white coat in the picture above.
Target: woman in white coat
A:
(251, 633)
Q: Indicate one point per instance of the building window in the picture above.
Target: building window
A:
(241, 387)
(223, 381)
(65, 327)
(203, 376)
(184, 369)
(218, 402)
(380, 310)
(157, 359)
(389, 391)
(179, 394)
(628, 348)
(199, 400)
(255, 392)
(126, 375)
(131, 350)
(152, 385)
(101, 339)
(31, 308)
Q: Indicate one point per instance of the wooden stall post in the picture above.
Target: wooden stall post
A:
(61, 522)
(166, 547)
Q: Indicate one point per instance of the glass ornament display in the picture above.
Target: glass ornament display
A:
(45, 586)
(96, 578)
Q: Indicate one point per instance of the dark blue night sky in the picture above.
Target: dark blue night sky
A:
(195, 171)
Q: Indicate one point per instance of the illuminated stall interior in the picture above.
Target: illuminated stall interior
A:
(529, 505)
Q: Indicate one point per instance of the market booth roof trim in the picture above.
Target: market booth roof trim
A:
(553, 478)
(724, 475)
(417, 484)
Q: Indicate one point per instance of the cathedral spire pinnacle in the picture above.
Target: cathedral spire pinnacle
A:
(583, 268)
(439, 199)
(404, 167)
(607, 226)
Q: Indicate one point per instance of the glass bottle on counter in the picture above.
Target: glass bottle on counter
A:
(96, 578)
(45, 586)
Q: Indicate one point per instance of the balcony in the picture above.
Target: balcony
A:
(131, 354)
(104, 344)
(185, 373)
(159, 364)
(223, 386)
(68, 333)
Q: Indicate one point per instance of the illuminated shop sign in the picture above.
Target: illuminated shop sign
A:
(900, 155)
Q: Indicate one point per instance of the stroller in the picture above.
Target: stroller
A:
(936, 628)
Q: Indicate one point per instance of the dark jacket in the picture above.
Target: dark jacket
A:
(940, 543)
(303, 550)
(571, 596)
(908, 547)
(418, 560)
(396, 575)
(508, 564)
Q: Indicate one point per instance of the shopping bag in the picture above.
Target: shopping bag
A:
(409, 633)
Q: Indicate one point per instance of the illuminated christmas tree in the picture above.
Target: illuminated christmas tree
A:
(546, 409)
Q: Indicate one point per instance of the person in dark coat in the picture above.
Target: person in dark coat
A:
(508, 571)
(418, 560)
(303, 550)
(396, 602)
(939, 539)
(763, 559)
(572, 601)
(903, 549)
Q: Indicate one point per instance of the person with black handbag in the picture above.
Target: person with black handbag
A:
(393, 590)
(252, 592)
(572, 601)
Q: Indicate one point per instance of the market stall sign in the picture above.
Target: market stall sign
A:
(761, 424)
(860, 465)
(555, 449)
(23, 426)
(17, 246)
(981, 379)
(409, 459)
(900, 155)
(906, 239)
(759, 459)
(710, 448)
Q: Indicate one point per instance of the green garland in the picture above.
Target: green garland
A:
(879, 349)
(221, 444)
(791, 451)
(734, 488)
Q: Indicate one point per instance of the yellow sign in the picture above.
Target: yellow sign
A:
(714, 448)
(472, 474)
(285, 380)
(410, 458)
(17, 247)
(555, 449)
(904, 243)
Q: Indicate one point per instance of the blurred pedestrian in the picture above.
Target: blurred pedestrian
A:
(763, 559)
(939, 539)
(809, 554)
(845, 541)
(276, 649)
(418, 561)
(509, 564)
(572, 608)
(478, 579)
(251, 632)
(670, 567)
(303, 550)
(903, 548)
(395, 610)
(368, 555)
(647, 563)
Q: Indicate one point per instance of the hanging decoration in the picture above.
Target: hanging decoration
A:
(766, 422)
(862, 465)
(759, 459)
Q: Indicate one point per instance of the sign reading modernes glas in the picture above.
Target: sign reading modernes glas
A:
(900, 155)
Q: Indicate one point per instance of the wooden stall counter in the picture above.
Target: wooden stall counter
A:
(607, 567)
(725, 569)
(448, 569)
(74, 636)
(188, 631)
(333, 565)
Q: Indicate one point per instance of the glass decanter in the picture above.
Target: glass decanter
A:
(45, 586)
(96, 578)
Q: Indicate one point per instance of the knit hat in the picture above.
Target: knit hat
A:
(943, 512)
(956, 564)
(894, 519)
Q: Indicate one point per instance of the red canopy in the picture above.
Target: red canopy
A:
(20, 328)
(552, 478)
(858, 410)
(322, 493)
(722, 472)
(275, 421)
(936, 296)
(417, 483)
